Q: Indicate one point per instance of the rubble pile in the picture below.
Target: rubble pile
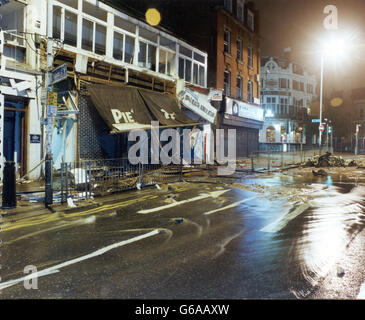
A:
(329, 160)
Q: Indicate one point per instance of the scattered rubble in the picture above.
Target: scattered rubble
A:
(320, 172)
(329, 160)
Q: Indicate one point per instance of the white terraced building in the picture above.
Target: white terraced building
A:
(287, 89)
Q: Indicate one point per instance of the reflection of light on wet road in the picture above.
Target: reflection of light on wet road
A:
(326, 231)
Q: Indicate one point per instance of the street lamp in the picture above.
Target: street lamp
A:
(334, 47)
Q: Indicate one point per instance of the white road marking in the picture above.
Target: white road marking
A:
(361, 294)
(96, 253)
(280, 223)
(214, 194)
(232, 205)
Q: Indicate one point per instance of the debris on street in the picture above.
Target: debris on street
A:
(329, 160)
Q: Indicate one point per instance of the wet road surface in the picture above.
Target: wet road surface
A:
(269, 237)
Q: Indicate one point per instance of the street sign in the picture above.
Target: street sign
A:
(35, 138)
(315, 120)
(51, 111)
(52, 98)
(59, 74)
(321, 127)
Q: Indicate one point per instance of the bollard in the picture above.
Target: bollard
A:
(48, 181)
(9, 186)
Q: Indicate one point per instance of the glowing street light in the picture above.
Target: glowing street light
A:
(334, 48)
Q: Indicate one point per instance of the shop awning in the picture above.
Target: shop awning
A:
(165, 109)
(122, 108)
(127, 108)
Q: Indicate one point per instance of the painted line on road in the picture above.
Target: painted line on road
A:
(96, 253)
(213, 194)
(361, 294)
(280, 223)
(232, 205)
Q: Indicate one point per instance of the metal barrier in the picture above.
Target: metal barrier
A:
(271, 160)
(88, 178)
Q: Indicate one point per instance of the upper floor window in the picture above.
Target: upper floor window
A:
(249, 91)
(295, 85)
(227, 40)
(251, 20)
(227, 83)
(283, 83)
(240, 6)
(239, 88)
(239, 50)
(309, 88)
(228, 5)
(301, 86)
(250, 57)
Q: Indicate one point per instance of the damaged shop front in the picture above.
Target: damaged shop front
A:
(195, 103)
(247, 119)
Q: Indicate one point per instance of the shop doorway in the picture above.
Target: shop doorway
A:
(15, 133)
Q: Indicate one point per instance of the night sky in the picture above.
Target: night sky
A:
(299, 24)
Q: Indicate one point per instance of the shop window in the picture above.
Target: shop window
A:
(129, 49)
(185, 51)
(94, 11)
(162, 61)
(70, 3)
(148, 35)
(195, 73)
(201, 76)
(124, 24)
(87, 35)
(188, 70)
(199, 57)
(270, 134)
(56, 31)
(70, 29)
(167, 43)
(147, 56)
(100, 39)
(142, 55)
(118, 46)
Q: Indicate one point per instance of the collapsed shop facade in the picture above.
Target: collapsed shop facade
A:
(120, 74)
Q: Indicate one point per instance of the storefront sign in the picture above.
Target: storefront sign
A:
(244, 110)
(215, 95)
(199, 104)
(59, 74)
(35, 138)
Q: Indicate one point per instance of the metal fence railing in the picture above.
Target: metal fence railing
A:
(271, 160)
(88, 178)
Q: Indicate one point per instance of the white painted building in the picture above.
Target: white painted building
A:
(99, 44)
(287, 89)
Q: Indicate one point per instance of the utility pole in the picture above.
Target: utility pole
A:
(357, 138)
(49, 160)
